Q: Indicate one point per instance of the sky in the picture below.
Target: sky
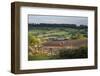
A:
(58, 19)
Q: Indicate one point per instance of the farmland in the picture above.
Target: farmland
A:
(57, 41)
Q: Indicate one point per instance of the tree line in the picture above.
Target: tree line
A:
(58, 25)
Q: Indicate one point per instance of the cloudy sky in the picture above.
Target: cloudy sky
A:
(57, 19)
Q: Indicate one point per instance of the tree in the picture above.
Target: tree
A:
(34, 41)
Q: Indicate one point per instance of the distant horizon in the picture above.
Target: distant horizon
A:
(50, 19)
(56, 23)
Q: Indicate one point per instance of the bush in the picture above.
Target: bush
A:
(82, 52)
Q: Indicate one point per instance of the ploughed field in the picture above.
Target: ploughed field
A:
(47, 43)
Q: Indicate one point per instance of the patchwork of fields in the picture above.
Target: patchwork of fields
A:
(57, 42)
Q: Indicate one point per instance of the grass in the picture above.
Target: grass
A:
(38, 57)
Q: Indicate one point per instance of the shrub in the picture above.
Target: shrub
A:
(82, 52)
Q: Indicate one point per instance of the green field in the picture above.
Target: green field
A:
(67, 33)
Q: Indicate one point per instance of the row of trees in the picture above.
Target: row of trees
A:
(58, 25)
